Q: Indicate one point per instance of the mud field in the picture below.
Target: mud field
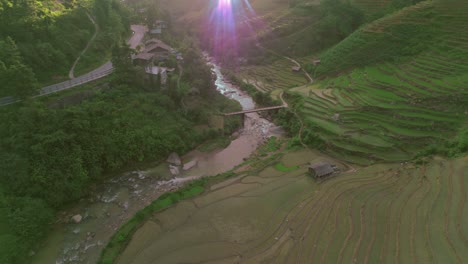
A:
(379, 214)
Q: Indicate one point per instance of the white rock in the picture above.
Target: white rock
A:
(174, 159)
(190, 164)
(77, 218)
(174, 170)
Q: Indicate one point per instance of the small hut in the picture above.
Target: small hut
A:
(321, 170)
(296, 69)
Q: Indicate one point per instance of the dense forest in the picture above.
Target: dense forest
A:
(39, 40)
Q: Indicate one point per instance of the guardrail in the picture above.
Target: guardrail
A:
(73, 83)
(61, 86)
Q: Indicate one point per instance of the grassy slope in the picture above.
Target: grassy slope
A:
(401, 86)
(279, 29)
(370, 6)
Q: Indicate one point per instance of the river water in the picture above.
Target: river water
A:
(115, 201)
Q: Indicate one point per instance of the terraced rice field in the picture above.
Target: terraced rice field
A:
(379, 214)
(278, 75)
(390, 111)
(370, 5)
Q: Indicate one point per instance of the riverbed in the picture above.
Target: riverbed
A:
(115, 201)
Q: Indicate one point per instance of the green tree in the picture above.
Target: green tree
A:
(17, 78)
(21, 81)
(28, 216)
(122, 61)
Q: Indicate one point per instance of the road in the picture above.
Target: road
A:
(101, 71)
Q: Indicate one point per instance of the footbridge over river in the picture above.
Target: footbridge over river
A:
(255, 110)
(284, 105)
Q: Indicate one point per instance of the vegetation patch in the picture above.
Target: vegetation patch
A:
(282, 168)
(123, 235)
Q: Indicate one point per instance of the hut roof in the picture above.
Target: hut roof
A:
(322, 169)
(144, 56)
(154, 44)
(155, 31)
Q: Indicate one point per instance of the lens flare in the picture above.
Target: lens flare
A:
(224, 3)
(228, 25)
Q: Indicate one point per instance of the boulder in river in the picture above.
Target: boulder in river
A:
(190, 164)
(174, 159)
(77, 218)
(174, 170)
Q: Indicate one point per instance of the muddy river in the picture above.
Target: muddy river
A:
(118, 199)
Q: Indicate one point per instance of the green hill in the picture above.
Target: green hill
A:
(371, 5)
(398, 86)
(40, 40)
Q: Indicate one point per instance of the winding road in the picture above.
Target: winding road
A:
(101, 71)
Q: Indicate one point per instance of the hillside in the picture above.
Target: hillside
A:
(396, 87)
(392, 90)
(370, 6)
(40, 40)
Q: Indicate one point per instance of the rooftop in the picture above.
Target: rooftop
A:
(322, 169)
(154, 44)
(144, 56)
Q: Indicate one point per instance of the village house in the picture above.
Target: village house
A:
(154, 51)
(155, 31)
(321, 170)
(157, 27)
(160, 24)
(143, 59)
(160, 50)
(154, 71)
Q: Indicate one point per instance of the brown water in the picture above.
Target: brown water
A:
(117, 200)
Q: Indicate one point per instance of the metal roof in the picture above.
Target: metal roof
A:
(322, 169)
(144, 56)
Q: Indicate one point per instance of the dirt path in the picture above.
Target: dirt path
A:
(181, 71)
(96, 31)
(290, 59)
(302, 68)
(285, 104)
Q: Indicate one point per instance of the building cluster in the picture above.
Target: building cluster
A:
(153, 52)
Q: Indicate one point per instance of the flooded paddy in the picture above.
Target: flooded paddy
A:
(375, 214)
